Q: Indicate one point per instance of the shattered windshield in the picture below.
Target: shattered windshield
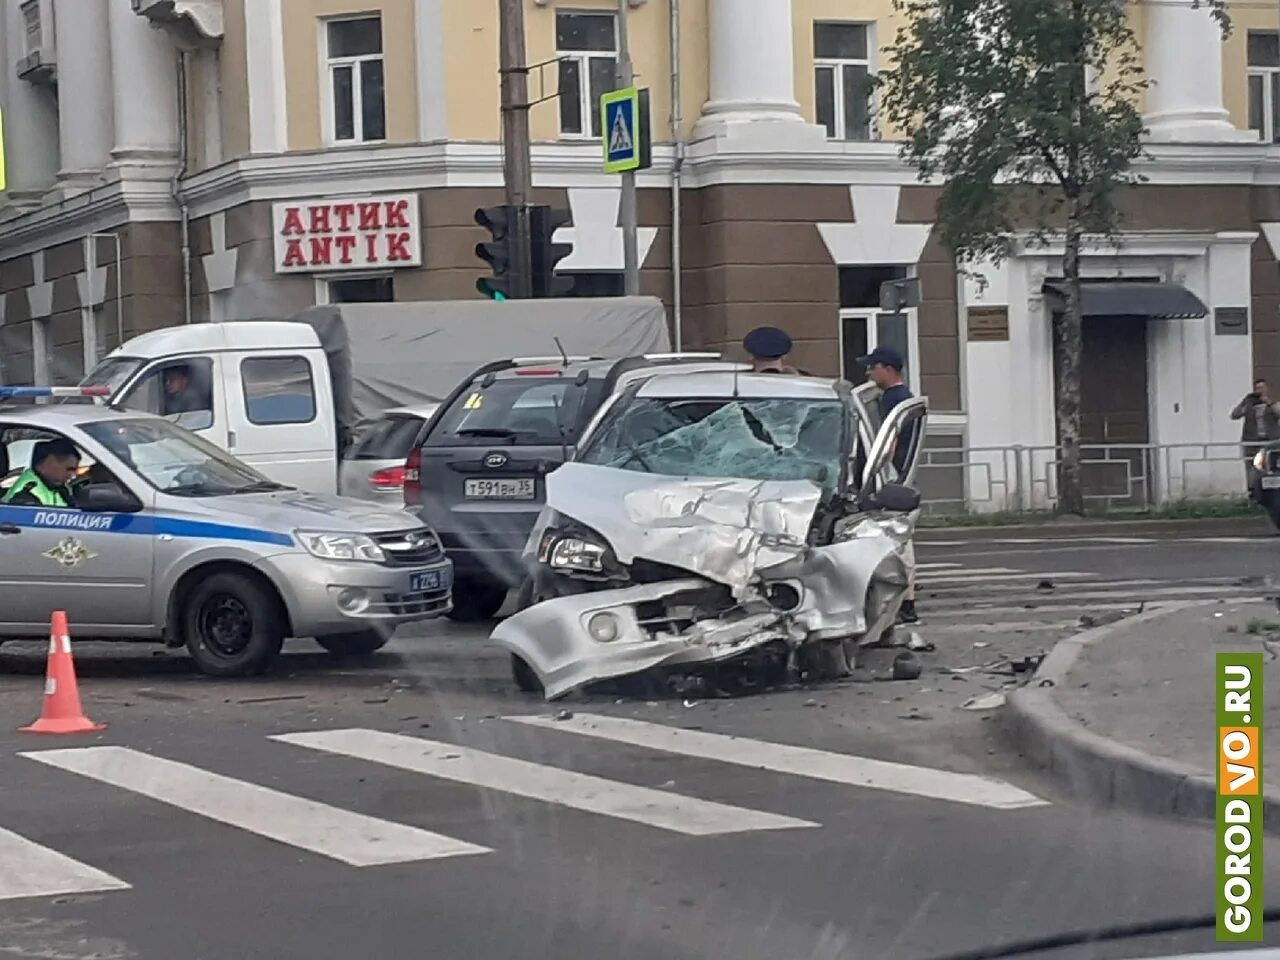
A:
(751, 439)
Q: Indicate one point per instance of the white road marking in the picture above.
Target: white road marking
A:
(966, 577)
(579, 791)
(936, 566)
(29, 870)
(339, 834)
(1028, 598)
(797, 761)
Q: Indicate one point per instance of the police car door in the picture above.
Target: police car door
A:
(95, 566)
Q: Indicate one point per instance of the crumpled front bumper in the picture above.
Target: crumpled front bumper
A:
(849, 590)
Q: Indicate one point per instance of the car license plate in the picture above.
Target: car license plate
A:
(1271, 483)
(429, 581)
(507, 488)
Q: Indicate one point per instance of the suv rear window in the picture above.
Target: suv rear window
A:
(388, 439)
(516, 411)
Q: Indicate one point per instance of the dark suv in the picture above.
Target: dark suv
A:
(477, 472)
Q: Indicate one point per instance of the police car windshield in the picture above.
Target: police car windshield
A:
(177, 462)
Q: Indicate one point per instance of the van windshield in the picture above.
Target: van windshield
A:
(113, 372)
(175, 461)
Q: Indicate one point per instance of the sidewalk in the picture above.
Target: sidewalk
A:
(1124, 714)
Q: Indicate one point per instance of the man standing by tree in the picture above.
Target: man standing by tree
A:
(1027, 112)
(1261, 416)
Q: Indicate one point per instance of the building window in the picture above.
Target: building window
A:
(842, 79)
(587, 45)
(357, 290)
(358, 100)
(1264, 84)
(278, 390)
(864, 326)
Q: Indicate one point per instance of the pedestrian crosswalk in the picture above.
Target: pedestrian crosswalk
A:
(951, 587)
(34, 866)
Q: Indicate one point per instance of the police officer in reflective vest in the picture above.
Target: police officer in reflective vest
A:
(47, 482)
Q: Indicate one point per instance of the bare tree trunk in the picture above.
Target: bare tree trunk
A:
(1067, 344)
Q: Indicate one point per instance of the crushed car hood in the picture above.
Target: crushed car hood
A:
(725, 530)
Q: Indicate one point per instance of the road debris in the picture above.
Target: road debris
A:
(1045, 585)
(906, 666)
(985, 701)
(564, 715)
(919, 643)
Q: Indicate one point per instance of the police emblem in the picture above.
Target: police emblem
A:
(70, 553)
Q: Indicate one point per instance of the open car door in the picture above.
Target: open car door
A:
(905, 425)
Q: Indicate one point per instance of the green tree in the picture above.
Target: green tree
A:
(1026, 112)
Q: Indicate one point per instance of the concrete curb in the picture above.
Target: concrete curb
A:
(1212, 526)
(1097, 768)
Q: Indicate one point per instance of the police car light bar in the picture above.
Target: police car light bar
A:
(26, 393)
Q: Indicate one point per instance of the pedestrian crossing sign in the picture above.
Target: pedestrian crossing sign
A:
(620, 113)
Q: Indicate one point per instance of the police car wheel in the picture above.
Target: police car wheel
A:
(233, 625)
(353, 644)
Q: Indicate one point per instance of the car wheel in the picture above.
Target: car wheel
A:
(354, 644)
(476, 600)
(233, 625)
(526, 680)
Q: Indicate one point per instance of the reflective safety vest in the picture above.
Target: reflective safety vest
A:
(32, 483)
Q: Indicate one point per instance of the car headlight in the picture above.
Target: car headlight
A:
(341, 546)
(574, 553)
(1260, 460)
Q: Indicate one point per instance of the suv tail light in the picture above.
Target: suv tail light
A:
(392, 478)
(412, 478)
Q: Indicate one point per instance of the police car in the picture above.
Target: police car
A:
(171, 539)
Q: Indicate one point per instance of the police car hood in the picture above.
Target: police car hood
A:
(296, 510)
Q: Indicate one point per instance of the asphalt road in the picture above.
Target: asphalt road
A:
(417, 805)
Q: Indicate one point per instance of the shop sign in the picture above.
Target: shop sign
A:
(350, 233)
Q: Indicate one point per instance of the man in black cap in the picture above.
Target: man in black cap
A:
(768, 347)
(884, 369)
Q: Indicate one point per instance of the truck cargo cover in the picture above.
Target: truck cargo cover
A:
(385, 355)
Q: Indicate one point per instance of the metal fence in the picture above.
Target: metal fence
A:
(1018, 479)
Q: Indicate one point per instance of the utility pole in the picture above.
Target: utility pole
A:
(625, 79)
(517, 172)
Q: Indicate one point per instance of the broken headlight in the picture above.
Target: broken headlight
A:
(575, 553)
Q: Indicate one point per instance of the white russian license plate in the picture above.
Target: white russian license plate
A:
(1271, 483)
(506, 488)
(429, 581)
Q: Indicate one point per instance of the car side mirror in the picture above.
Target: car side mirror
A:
(106, 498)
(193, 420)
(895, 498)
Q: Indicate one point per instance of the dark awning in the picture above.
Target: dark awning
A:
(1150, 300)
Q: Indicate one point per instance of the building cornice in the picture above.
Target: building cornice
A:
(440, 164)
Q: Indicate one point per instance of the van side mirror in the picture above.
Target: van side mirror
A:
(193, 420)
(106, 498)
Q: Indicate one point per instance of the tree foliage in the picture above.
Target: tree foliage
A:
(1026, 113)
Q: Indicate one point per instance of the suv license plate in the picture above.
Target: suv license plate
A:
(1271, 483)
(515, 488)
(429, 581)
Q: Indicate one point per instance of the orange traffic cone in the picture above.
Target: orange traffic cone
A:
(62, 712)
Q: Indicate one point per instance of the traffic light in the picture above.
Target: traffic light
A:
(499, 252)
(545, 253)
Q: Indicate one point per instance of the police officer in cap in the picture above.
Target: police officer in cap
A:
(769, 347)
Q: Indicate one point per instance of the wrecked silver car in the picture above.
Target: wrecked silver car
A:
(744, 527)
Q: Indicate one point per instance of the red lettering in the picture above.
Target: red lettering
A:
(293, 222)
(345, 245)
(321, 251)
(398, 247)
(371, 249)
(370, 216)
(320, 220)
(293, 254)
(397, 211)
(345, 212)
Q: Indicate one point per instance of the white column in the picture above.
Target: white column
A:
(84, 90)
(30, 122)
(752, 70)
(1183, 52)
(144, 75)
